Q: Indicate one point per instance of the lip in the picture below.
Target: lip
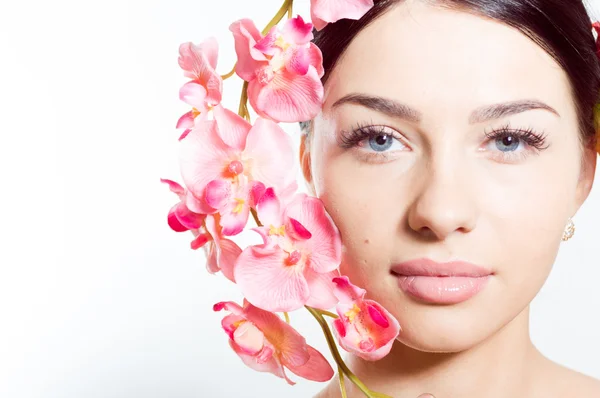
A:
(441, 283)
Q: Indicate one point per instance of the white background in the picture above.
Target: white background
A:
(98, 298)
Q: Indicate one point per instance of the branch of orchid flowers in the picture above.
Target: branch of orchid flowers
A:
(286, 8)
(338, 358)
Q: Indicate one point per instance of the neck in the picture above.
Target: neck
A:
(501, 366)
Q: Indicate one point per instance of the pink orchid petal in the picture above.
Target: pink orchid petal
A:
(377, 316)
(199, 241)
(256, 191)
(297, 231)
(232, 128)
(230, 306)
(173, 186)
(297, 31)
(268, 283)
(288, 97)
(174, 222)
(297, 60)
(384, 326)
(339, 327)
(184, 134)
(188, 218)
(212, 257)
(346, 292)
(269, 366)
(203, 157)
(317, 368)
(199, 63)
(234, 215)
(193, 94)
(197, 206)
(269, 209)
(230, 323)
(325, 244)
(186, 121)
(272, 152)
(325, 11)
(217, 193)
(266, 45)
(249, 338)
(250, 60)
(321, 289)
(287, 341)
(286, 194)
(315, 57)
(230, 252)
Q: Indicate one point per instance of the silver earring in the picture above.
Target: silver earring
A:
(569, 231)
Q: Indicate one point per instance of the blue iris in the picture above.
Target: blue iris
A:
(381, 142)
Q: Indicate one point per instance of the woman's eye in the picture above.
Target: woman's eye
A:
(511, 146)
(507, 143)
(382, 143)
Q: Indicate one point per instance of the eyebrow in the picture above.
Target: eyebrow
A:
(397, 109)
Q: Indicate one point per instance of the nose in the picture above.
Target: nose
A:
(445, 200)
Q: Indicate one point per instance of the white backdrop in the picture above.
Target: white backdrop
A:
(98, 298)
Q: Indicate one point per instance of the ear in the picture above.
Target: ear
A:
(588, 172)
(305, 162)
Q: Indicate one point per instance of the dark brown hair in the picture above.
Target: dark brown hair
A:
(561, 27)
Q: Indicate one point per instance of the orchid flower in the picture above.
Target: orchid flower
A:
(225, 161)
(221, 252)
(324, 11)
(283, 69)
(364, 327)
(267, 344)
(205, 89)
(298, 259)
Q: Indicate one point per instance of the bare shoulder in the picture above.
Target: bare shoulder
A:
(567, 382)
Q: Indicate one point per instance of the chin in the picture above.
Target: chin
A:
(444, 328)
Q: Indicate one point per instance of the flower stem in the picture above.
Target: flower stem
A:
(290, 9)
(255, 216)
(287, 317)
(278, 17)
(326, 313)
(342, 382)
(337, 357)
(230, 73)
(243, 109)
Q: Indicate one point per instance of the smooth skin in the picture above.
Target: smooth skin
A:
(446, 191)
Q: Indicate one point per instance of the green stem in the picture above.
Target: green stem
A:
(243, 109)
(290, 9)
(337, 357)
(287, 317)
(278, 17)
(342, 382)
(326, 313)
(255, 216)
(230, 73)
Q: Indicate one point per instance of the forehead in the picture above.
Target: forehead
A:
(434, 58)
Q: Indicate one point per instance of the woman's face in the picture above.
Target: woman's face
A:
(432, 181)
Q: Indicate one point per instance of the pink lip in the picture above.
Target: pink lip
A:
(441, 283)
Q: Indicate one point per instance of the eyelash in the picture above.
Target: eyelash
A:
(351, 138)
(537, 141)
